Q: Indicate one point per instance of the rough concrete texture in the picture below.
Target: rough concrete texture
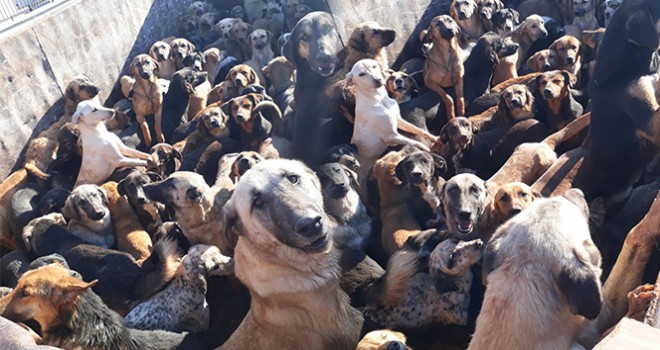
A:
(407, 17)
(95, 38)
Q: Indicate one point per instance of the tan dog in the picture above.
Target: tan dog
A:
(181, 48)
(131, 237)
(383, 339)
(147, 96)
(221, 92)
(285, 257)
(516, 104)
(103, 151)
(568, 54)
(211, 65)
(198, 208)
(510, 199)
(241, 76)
(368, 40)
(443, 67)
(529, 31)
(211, 125)
(400, 86)
(262, 53)
(464, 12)
(543, 61)
(161, 52)
(398, 220)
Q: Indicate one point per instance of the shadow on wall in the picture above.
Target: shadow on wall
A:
(161, 20)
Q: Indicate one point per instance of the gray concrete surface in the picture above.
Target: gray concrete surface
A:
(39, 57)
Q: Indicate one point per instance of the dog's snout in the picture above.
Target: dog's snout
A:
(98, 215)
(394, 345)
(309, 226)
(145, 75)
(546, 67)
(324, 59)
(570, 59)
(214, 124)
(464, 215)
(479, 244)
(514, 211)
(416, 175)
(547, 92)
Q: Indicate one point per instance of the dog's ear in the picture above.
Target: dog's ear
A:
(233, 226)
(516, 16)
(440, 165)
(534, 84)
(227, 106)
(71, 289)
(154, 177)
(444, 135)
(104, 195)
(491, 259)
(252, 76)
(121, 186)
(70, 209)
(133, 70)
(69, 91)
(581, 287)
(358, 40)
(349, 79)
(641, 30)
(191, 47)
(351, 175)
(176, 154)
(576, 197)
(255, 98)
(569, 78)
(531, 63)
(289, 51)
(536, 194)
(425, 35)
(400, 172)
(270, 36)
(156, 66)
(194, 195)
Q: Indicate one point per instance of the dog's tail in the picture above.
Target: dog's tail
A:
(570, 130)
(33, 169)
(392, 286)
(269, 110)
(157, 270)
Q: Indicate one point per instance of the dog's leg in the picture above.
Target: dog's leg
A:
(397, 139)
(145, 129)
(460, 104)
(406, 126)
(158, 125)
(446, 100)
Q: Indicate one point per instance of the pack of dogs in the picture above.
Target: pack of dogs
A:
(263, 183)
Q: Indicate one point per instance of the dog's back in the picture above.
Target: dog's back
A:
(543, 274)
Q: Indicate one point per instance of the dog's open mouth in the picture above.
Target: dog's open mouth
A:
(318, 245)
(326, 69)
(464, 227)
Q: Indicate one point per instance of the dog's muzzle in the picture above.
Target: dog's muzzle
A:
(546, 67)
(570, 60)
(516, 103)
(311, 228)
(464, 223)
(97, 215)
(145, 75)
(240, 118)
(547, 93)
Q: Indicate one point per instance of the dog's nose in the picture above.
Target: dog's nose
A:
(546, 67)
(416, 175)
(398, 81)
(309, 226)
(394, 345)
(547, 92)
(462, 13)
(142, 200)
(145, 75)
(215, 124)
(514, 211)
(480, 244)
(342, 186)
(464, 215)
(324, 59)
(570, 60)
(98, 215)
(516, 103)
(238, 82)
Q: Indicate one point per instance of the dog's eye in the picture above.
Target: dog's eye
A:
(504, 198)
(258, 202)
(474, 190)
(523, 195)
(24, 293)
(362, 74)
(293, 178)
(94, 109)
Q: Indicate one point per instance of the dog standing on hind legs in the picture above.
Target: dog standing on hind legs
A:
(147, 96)
(443, 67)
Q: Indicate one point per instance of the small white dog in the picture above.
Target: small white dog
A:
(377, 116)
(103, 151)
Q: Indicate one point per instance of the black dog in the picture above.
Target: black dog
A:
(616, 154)
(151, 214)
(317, 68)
(483, 58)
(345, 154)
(423, 172)
(175, 101)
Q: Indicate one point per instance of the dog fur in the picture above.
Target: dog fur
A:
(368, 40)
(296, 299)
(131, 236)
(161, 52)
(466, 203)
(90, 219)
(147, 95)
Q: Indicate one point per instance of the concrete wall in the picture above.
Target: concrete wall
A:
(40, 56)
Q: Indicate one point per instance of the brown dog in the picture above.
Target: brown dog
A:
(529, 31)
(181, 48)
(510, 199)
(465, 13)
(400, 86)
(555, 88)
(543, 61)
(397, 218)
(211, 125)
(568, 54)
(369, 40)
(162, 53)
(132, 238)
(147, 96)
(516, 104)
(241, 76)
(443, 67)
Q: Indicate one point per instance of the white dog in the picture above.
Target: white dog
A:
(103, 151)
(377, 116)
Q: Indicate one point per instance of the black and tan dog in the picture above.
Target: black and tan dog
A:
(247, 111)
(444, 65)
(150, 214)
(555, 88)
(316, 51)
(401, 87)
(66, 309)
